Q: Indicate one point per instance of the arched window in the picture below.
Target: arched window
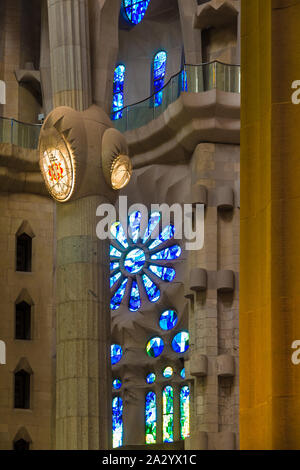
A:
(117, 421)
(23, 321)
(168, 414)
(22, 389)
(150, 417)
(134, 10)
(24, 252)
(21, 445)
(159, 72)
(118, 92)
(184, 412)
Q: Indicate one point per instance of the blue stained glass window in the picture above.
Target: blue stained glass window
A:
(116, 353)
(118, 92)
(168, 320)
(150, 416)
(117, 384)
(153, 221)
(114, 253)
(115, 278)
(134, 260)
(134, 10)
(117, 421)
(166, 274)
(167, 233)
(168, 411)
(150, 379)
(169, 253)
(167, 372)
(135, 300)
(152, 290)
(155, 347)
(114, 265)
(118, 296)
(184, 412)
(184, 85)
(159, 72)
(118, 233)
(134, 224)
(180, 343)
(182, 373)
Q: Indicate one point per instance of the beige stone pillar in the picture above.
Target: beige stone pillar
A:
(83, 414)
(70, 53)
(134, 418)
(45, 64)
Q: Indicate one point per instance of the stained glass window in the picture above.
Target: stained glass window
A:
(180, 343)
(168, 414)
(168, 320)
(118, 92)
(184, 412)
(117, 384)
(182, 373)
(134, 10)
(150, 416)
(167, 372)
(155, 347)
(150, 379)
(159, 72)
(117, 421)
(138, 260)
(116, 353)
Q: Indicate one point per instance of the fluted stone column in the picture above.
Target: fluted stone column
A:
(45, 64)
(70, 53)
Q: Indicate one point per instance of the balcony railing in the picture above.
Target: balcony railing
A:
(192, 79)
(19, 133)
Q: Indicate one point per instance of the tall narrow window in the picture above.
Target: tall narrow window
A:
(184, 412)
(168, 414)
(150, 416)
(159, 72)
(22, 389)
(118, 92)
(21, 445)
(24, 252)
(23, 321)
(117, 421)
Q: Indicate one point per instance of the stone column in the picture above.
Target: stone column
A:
(45, 64)
(70, 53)
(191, 36)
(270, 226)
(83, 413)
(134, 417)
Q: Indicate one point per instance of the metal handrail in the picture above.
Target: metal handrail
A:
(196, 78)
(191, 78)
(174, 76)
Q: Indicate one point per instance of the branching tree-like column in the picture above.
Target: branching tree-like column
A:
(83, 161)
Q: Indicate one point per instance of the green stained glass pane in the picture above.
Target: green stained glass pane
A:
(150, 417)
(168, 410)
(184, 412)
